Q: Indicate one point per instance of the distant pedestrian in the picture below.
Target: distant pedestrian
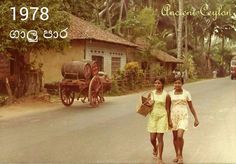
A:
(158, 118)
(214, 74)
(177, 73)
(180, 102)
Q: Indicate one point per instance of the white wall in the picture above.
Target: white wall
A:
(107, 50)
(53, 60)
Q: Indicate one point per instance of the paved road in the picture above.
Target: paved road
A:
(114, 133)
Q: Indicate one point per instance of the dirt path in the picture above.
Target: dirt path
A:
(26, 106)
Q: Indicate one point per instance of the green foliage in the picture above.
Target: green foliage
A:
(128, 79)
(86, 9)
(140, 23)
(3, 99)
(133, 74)
(147, 18)
(153, 42)
(158, 70)
(222, 58)
(189, 65)
(132, 67)
(115, 89)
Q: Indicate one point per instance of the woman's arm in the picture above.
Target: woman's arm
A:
(196, 122)
(168, 105)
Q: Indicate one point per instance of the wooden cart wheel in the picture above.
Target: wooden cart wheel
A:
(95, 91)
(67, 96)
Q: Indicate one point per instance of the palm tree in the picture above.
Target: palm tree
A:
(180, 27)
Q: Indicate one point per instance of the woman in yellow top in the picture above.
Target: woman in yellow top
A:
(158, 117)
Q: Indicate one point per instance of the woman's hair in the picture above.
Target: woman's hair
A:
(179, 78)
(161, 79)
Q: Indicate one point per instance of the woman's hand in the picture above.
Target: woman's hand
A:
(170, 124)
(196, 123)
(149, 102)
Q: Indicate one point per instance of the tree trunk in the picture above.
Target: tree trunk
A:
(106, 11)
(175, 22)
(108, 14)
(9, 92)
(195, 42)
(209, 44)
(97, 13)
(34, 82)
(223, 45)
(120, 15)
(186, 47)
(201, 42)
(186, 36)
(209, 52)
(180, 27)
(150, 3)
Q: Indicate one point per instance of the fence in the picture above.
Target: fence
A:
(119, 84)
(146, 81)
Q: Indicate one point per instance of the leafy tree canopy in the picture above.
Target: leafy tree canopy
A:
(140, 23)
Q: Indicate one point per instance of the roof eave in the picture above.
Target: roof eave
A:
(90, 38)
(180, 62)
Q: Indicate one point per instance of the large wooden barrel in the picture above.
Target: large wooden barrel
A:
(76, 70)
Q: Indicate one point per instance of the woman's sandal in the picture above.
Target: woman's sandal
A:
(159, 161)
(180, 161)
(154, 153)
(175, 160)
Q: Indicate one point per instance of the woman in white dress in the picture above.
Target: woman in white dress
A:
(180, 103)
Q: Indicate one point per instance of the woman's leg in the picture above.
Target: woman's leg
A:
(160, 145)
(180, 135)
(175, 142)
(153, 140)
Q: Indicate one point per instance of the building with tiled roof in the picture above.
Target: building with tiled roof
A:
(165, 57)
(156, 58)
(83, 30)
(88, 42)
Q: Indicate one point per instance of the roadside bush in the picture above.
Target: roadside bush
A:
(3, 100)
(140, 78)
(132, 73)
(157, 70)
(130, 78)
(115, 89)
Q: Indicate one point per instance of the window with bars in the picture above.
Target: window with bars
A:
(100, 61)
(115, 64)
